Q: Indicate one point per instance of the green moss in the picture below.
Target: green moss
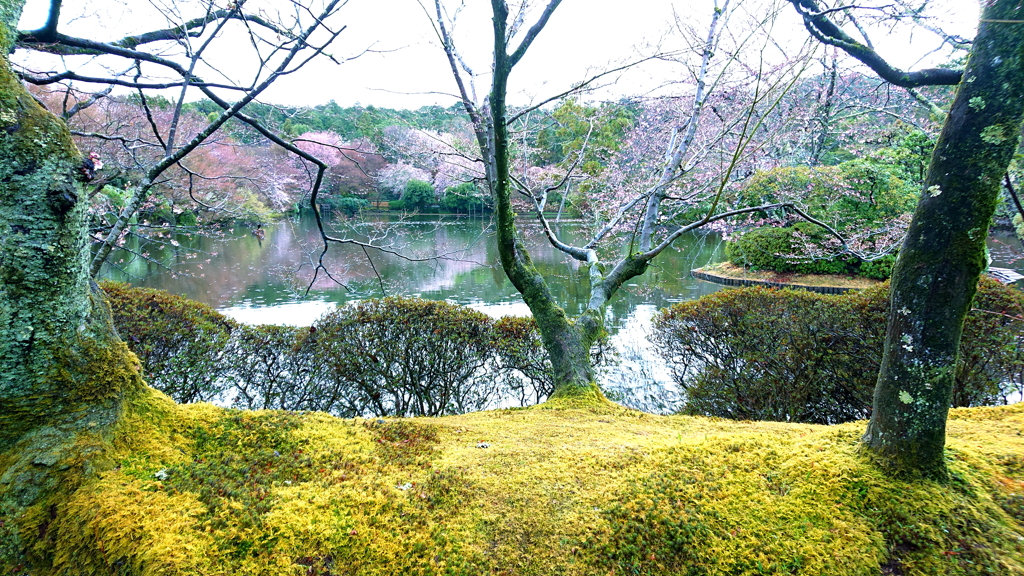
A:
(576, 397)
(995, 134)
(200, 490)
(30, 131)
(403, 442)
(94, 372)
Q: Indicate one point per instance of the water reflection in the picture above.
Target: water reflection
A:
(455, 260)
(264, 282)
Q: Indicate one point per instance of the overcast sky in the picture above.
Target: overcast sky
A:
(410, 69)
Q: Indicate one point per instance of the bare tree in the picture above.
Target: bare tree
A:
(648, 216)
(177, 58)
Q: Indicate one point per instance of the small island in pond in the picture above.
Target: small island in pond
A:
(729, 274)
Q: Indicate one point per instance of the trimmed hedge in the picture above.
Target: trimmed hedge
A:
(390, 357)
(522, 362)
(785, 355)
(281, 367)
(407, 356)
(181, 343)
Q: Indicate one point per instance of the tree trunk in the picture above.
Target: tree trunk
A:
(936, 275)
(567, 343)
(63, 372)
(568, 346)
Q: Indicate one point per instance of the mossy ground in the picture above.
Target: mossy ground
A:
(557, 490)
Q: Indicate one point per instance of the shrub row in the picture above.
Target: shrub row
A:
(762, 354)
(803, 248)
(390, 357)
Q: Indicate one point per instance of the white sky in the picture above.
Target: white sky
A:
(582, 35)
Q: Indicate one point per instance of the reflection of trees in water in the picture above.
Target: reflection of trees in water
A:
(235, 268)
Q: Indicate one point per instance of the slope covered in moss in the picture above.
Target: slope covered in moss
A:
(551, 490)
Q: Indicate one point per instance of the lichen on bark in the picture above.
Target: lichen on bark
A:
(936, 276)
(64, 373)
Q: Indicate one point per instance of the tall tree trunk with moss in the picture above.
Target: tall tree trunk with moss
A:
(63, 371)
(935, 278)
(567, 342)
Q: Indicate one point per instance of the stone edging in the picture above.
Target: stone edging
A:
(727, 281)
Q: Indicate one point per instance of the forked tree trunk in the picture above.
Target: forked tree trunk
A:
(935, 278)
(567, 342)
(63, 372)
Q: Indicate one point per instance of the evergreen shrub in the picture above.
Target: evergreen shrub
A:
(803, 248)
(463, 199)
(181, 343)
(410, 357)
(282, 367)
(762, 354)
(347, 205)
(523, 363)
(390, 357)
(418, 195)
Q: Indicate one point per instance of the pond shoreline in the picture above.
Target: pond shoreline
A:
(727, 274)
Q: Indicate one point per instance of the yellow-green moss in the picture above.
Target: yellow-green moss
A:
(200, 490)
(36, 133)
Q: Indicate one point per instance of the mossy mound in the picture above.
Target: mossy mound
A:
(201, 490)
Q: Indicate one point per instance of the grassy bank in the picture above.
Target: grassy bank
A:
(551, 490)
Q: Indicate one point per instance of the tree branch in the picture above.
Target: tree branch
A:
(531, 35)
(822, 28)
(48, 35)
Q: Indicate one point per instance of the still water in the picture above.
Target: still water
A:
(453, 259)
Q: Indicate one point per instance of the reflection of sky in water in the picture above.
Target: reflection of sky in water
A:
(283, 314)
(637, 364)
(265, 282)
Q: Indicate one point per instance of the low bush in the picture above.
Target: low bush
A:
(283, 367)
(181, 343)
(464, 199)
(761, 354)
(880, 269)
(802, 248)
(390, 357)
(522, 361)
(347, 205)
(411, 357)
(418, 195)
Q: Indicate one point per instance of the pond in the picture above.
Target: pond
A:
(265, 282)
(454, 259)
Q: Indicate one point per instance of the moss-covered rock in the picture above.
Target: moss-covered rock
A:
(201, 490)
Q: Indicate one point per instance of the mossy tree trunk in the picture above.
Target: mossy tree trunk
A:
(567, 342)
(935, 278)
(63, 372)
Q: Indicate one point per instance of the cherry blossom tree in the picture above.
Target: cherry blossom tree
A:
(279, 44)
(652, 206)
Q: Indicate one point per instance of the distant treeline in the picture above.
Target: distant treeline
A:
(351, 123)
